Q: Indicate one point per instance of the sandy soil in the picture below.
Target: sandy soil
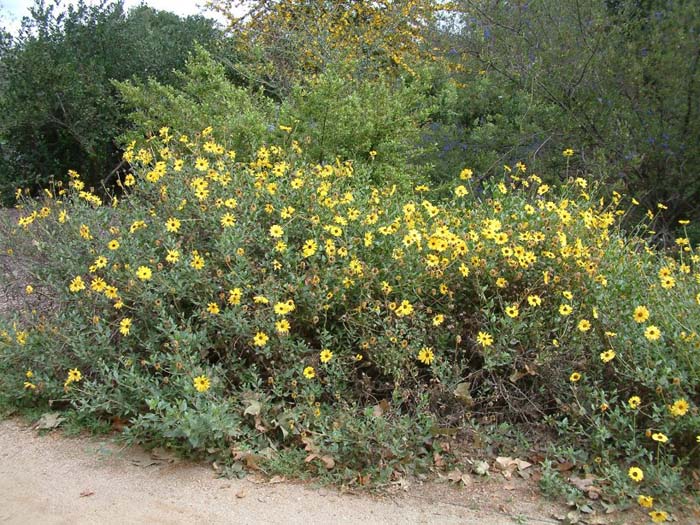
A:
(52, 479)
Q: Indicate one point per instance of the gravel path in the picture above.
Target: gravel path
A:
(53, 479)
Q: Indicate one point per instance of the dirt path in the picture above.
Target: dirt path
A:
(52, 479)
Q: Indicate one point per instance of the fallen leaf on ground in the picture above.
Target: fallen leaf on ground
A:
(86, 493)
(49, 420)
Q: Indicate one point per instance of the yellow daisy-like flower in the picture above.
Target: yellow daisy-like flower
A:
(173, 256)
(461, 191)
(201, 383)
(310, 247)
(568, 152)
(260, 339)
(607, 356)
(584, 325)
(426, 355)
(534, 300)
(201, 164)
(197, 261)
(276, 231)
(213, 308)
(512, 311)
(404, 309)
(645, 501)
(172, 225)
(144, 273)
(658, 516)
(636, 474)
(575, 377)
(77, 284)
(227, 220)
(309, 372)
(659, 437)
(634, 402)
(113, 244)
(125, 326)
(652, 333)
(282, 326)
(641, 314)
(234, 296)
(565, 309)
(484, 339)
(29, 374)
(74, 375)
(679, 408)
(438, 320)
(326, 355)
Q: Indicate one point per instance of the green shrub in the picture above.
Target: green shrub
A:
(268, 303)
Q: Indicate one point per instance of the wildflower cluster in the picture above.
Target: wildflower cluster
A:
(275, 296)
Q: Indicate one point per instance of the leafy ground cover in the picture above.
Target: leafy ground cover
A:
(263, 309)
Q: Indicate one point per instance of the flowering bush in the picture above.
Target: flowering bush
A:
(245, 305)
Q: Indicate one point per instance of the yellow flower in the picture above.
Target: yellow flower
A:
(512, 311)
(172, 225)
(634, 402)
(201, 383)
(197, 261)
(461, 191)
(144, 273)
(125, 326)
(227, 220)
(575, 377)
(282, 326)
(29, 386)
(260, 339)
(173, 256)
(438, 320)
(484, 339)
(466, 174)
(679, 408)
(76, 285)
(534, 300)
(426, 355)
(565, 309)
(635, 474)
(213, 308)
(652, 333)
(276, 231)
(29, 290)
(658, 516)
(645, 501)
(309, 372)
(404, 309)
(584, 325)
(309, 248)
(113, 244)
(659, 437)
(326, 355)
(607, 356)
(234, 296)
(568, 152)
(74, 375)
(641, 314)
(29, 374)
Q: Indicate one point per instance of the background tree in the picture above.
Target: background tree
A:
(58, 108)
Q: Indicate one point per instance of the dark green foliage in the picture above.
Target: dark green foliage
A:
(58, 108)
(618, 83)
